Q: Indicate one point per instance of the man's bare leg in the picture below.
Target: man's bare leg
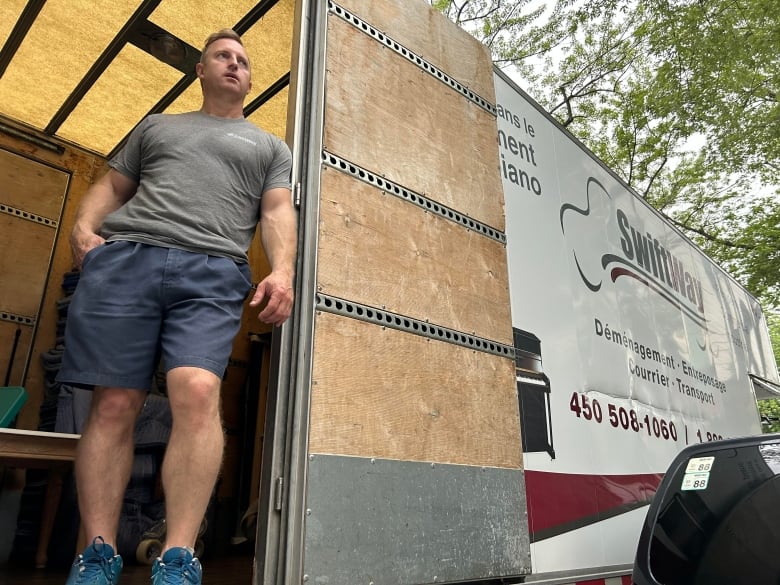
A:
(194, 454)
(104, 460)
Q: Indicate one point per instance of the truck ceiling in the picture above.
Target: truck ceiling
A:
(87, 71)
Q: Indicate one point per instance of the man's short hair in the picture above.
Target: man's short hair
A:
(225, 33)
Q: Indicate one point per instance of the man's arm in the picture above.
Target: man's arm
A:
(279, 232)
(107, 194)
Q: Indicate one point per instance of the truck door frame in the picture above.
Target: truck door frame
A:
(279, 544)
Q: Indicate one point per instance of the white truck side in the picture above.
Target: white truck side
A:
(634, 343)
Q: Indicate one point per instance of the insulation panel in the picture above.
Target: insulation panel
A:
(63, 43)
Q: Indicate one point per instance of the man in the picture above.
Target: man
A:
(161, 240)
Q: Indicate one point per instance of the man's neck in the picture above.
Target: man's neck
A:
(223, 108)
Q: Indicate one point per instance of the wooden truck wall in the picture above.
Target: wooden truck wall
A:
(414, 457)
(40, 189)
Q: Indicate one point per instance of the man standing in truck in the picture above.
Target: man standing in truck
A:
(162, 241)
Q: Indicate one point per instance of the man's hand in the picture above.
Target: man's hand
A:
(277, 292)
(81, 242)
(106, 195)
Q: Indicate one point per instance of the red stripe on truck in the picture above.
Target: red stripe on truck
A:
(561, 502)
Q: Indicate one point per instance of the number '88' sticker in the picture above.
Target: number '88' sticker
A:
(695, 481)
(699, 464)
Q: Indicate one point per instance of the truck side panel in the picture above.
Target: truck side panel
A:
(640, 343)
(414, 463)
(377, 249)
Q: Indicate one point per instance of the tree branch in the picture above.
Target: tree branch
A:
(708, 236)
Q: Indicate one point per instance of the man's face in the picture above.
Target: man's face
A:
(225, 68)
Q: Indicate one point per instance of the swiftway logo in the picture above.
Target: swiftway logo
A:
(644, 257)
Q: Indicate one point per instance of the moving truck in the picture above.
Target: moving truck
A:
(631, 345)
(497, 347)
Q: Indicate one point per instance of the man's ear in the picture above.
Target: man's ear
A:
(199, 70)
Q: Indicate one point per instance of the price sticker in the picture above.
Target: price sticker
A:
(700, 465)
(695, 481)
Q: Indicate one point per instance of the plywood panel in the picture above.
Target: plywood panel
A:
(25, 248)
(420, 28)
(31, 186)
(380, 250)
(385, 393)
(389, 116)
(82, 168)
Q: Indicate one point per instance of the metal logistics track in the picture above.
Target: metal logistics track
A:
(401, 192)
(392, 320)
(9, 317)
(22, 214)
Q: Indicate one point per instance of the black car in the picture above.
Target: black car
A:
(715, 519)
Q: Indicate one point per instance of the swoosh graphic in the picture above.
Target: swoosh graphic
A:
(562, 502)
(585, 212)
(650, 283)
(593, 287)
(633, 271)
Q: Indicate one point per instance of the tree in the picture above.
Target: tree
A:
(770, 409)
(773, 320)
(770, 415)
(679, 97)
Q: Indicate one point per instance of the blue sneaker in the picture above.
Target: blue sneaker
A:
(97, 565)
(176, 567)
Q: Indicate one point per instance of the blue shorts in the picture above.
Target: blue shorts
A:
(137, 304)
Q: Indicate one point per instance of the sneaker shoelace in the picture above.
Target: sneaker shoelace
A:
(95, 567)
(177, 573)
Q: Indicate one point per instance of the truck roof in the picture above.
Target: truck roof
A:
(88, 72)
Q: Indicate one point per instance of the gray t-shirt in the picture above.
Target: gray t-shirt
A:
(200, 181)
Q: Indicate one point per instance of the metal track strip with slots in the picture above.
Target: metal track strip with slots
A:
(22, 214)
(387, 318)
(421, 201)
(19, 319)
(426, 66)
